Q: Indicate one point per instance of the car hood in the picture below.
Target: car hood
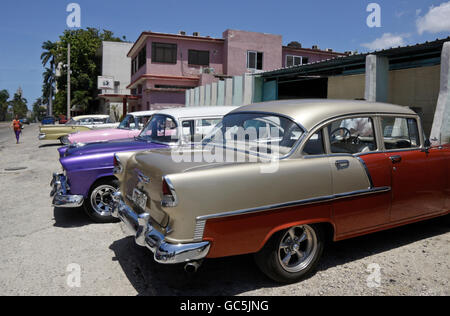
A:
(110, 147)
(184, 159)
(97, 135)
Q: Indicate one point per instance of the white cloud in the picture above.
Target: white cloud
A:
(388, 40)
(436, 20)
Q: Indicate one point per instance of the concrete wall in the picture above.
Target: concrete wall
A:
(115, 63)
(346, 87)
(417, 88)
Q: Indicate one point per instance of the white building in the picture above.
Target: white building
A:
(116, 74)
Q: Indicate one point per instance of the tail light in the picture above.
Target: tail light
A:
(118, 168)
(169, 197)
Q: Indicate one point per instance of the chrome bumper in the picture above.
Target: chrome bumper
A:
(42, 136)
(59, 193)
(147, 236)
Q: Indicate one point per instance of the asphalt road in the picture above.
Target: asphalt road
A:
(41, 249)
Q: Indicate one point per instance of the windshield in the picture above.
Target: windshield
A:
(71, 122)
(256, 133)
(127, 122)
(162, 129)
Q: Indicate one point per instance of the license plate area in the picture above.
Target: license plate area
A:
(139, 198)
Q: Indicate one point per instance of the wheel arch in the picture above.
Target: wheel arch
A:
(327, 226)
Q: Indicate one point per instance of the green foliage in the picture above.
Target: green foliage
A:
(39, 111)
(19, 105)
(4, 96)
(85, 65)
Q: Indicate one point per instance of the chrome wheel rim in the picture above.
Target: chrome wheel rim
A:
(102, 199)
(297, 248)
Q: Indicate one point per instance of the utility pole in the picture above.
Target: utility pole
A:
(68, 82)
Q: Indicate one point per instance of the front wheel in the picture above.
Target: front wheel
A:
(100, 201)
(293, 254)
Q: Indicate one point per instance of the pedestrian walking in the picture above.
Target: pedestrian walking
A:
(17, 126)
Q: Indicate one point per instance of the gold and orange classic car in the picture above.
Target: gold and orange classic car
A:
(277, 179)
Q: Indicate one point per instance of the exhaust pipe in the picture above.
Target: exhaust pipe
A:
(192, 267)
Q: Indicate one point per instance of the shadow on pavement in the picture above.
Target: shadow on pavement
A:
(50, 145)
(70, 217)
(237, 275)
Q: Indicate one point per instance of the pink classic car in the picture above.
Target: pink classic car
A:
(130, 127)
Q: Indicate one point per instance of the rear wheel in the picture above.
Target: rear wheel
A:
(292, 254)
(100, 201)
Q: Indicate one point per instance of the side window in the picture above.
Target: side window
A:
(400, 132)
(314, 146)
(352, 135)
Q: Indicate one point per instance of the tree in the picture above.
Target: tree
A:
(48, 56)
(19, 104)
(48, 89)
(38, 109)
(85, 67)
(4, 96)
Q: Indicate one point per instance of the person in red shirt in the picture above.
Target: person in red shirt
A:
(17, 126)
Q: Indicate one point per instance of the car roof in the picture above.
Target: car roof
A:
(142, 113)
(310, 112)
(76, 118)
(197, 111)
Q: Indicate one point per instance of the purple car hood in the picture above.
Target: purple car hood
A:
(109, 147)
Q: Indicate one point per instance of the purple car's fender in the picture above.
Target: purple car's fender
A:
(85, 165)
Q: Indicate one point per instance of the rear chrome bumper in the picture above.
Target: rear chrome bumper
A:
(60, 196)
(147, 236)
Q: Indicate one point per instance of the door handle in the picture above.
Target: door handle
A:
(342, 164)
(396, 159)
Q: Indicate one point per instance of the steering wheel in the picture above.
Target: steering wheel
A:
(347, 133)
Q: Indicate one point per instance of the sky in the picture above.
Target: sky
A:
(340, 25)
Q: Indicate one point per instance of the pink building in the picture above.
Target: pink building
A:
(163, 65)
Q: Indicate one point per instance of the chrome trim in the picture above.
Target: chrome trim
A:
(369, 176)
(175, 201)
(146, 236)
(119, 168)
(142, 177)
(199, 230)
(59, 193)
(321, 199)
(42, 136)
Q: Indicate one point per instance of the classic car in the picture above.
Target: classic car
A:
(25, 121)
(301, 172)
(48, 120)
(130, 127)
(87, 177)
(76, 124)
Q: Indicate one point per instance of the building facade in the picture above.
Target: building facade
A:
(163, 66)
(116, 71)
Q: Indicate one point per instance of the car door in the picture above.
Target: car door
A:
(418, 179)
(361, 202)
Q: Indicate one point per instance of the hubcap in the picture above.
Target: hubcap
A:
(297, 248)
(102, 199)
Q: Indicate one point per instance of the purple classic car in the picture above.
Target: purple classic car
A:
(88, 180)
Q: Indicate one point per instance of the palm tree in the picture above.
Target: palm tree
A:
(48, 56)
(48, 88)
